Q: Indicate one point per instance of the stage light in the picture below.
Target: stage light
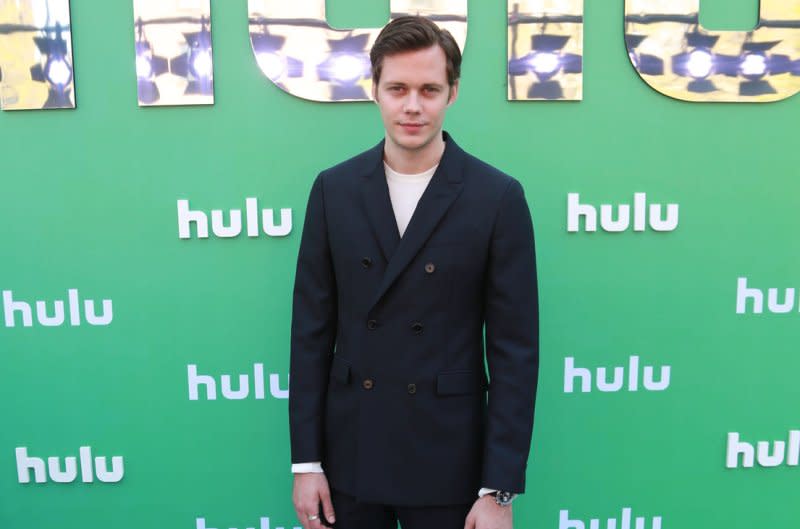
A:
(755, 62)
(144, 69)
(545, 63)
(644, 63)
(58, 72)
(196, 64)
(754, 65)
(148, 67)
(700, 64)
(202, 64)
(347, 69)
(271, 64)
(274, 64)
(347, 64)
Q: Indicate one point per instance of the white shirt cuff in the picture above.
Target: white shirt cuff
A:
(484, 491)
(303, 468)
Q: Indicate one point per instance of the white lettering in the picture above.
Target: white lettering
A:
(584, 375)
(12, 308)
(200, 523)
(187, 217)
(766, 453)
(69, 472)
(242, 391)
(565, 522)
(576, 210)
(744, 293)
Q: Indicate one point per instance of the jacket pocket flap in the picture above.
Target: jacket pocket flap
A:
(457, 383)
(340, 370)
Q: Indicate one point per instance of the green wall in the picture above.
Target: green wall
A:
(88, 202)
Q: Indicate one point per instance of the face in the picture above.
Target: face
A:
(413, 96)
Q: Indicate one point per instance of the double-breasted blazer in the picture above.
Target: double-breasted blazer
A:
(388, 383)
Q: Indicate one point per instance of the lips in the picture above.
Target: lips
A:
(411, 127)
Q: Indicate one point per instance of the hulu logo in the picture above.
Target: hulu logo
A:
(256, 221)
(632, 375)
(622, 221)
(744, 293)
(14, 310)
(767, 454)
(264, 523)
(625, 522)
(68, 472)
(239, 393)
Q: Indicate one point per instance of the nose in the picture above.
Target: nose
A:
(412, 102)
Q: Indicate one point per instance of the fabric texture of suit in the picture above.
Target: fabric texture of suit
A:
(388, 382)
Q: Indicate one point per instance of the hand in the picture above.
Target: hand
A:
(486, 514)
(309, 490)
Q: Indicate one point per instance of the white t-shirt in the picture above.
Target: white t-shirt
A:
(405, 190)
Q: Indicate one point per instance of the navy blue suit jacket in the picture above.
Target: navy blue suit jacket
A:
(388, 382)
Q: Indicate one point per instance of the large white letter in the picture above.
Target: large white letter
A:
(296, 48)
(676, 56)
(545, 50)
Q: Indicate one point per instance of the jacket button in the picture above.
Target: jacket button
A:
(430, 268)
(366, 262)
(368, 383)
(412, 388)
(417, 327)
(372, 325)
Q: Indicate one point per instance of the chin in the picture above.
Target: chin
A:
(412, 143)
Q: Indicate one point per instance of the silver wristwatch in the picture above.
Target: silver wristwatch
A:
(503, 498)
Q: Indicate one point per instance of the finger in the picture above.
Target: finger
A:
(309, 509)
(316, 523)
(327, 505)
(301, 516)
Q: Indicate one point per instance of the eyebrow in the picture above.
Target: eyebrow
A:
(425, 85)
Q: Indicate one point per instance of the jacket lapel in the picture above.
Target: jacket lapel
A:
(378, 204)
(443, 189)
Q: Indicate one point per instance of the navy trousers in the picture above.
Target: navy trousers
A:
(352, 514)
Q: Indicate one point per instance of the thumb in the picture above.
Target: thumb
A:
(470, 522)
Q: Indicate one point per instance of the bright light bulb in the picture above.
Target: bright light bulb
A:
(700, 64)
(144, 68)
(59, 73)
(347, 69)
(203, 65)
(271, 64)
(754, 65)
(545, 62)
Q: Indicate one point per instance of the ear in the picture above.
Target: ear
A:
(453, 93)
(375, 91)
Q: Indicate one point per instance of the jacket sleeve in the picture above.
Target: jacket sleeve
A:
(512, 344)
(314, 323)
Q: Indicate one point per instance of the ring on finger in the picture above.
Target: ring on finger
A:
(312, 517)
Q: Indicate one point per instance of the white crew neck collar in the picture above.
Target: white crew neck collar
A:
(394, 175)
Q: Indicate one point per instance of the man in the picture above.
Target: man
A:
(408, 250)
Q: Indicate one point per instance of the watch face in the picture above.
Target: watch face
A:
(503, 498)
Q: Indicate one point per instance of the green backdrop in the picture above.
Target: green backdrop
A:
(88, 202)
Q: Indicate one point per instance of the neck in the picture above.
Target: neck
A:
(413, 161)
